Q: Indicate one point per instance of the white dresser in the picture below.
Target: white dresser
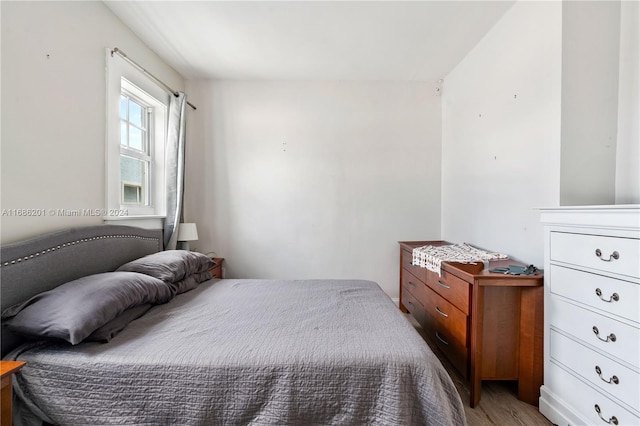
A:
(592, 315)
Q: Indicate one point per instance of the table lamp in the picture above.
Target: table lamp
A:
(187, 232)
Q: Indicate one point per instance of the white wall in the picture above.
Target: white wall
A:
(628, 146)
(590, 59)
(313, 179)
(501, 134)
(53, 109)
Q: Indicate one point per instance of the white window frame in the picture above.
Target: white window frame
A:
(122, 76)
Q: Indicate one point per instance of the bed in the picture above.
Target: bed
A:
(227, 352)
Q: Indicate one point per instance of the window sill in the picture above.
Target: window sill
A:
(145, 221)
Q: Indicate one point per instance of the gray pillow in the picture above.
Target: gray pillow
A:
(170, 266)
(74, 310)
(191, 282)
(116, 325)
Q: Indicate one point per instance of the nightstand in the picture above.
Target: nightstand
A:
(7, 368)
(216, 271)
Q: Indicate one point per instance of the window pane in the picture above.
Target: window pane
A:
(133, 176)
(123, 107)
(135, 138)
(123, 133)
(131, 194)
(135, 113)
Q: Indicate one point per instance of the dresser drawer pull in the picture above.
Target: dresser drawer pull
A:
(443, 284)
(412, 285)
(614, 255)
(614, 297)
(411, 304)
(441, 339)
(611, 337)
(613, 379)
(612, 419)
(441, 313)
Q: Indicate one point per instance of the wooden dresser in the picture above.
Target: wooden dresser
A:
(592, 315)
(488, 325)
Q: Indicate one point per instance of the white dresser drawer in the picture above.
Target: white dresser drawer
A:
(625, 386)
(582, 249)
(613, 337)
(583, 399)
(612, 296)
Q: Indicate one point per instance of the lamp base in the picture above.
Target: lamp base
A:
(183, 245)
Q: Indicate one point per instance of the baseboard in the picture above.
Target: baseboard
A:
(396, 300)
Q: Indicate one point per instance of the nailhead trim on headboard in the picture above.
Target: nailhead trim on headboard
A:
(71, 243)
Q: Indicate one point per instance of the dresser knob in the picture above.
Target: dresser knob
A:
(441, 313)
(612, 419)
(614, 255)
(441, 339)
(613, 379)
(611, 337)
(614, 297)
(443, 284)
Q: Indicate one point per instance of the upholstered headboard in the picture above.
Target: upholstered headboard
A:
(42, 263)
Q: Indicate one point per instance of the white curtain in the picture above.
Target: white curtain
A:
(174, 161)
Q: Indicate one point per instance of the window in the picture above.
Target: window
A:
(136, 131)
(135, 149)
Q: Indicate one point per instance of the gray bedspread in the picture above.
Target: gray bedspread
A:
(248, 352)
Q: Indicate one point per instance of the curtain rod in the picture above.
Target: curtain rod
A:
(156, 79)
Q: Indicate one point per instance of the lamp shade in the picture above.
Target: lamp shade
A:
(187, 232)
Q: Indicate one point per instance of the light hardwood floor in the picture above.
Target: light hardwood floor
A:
(499, 404)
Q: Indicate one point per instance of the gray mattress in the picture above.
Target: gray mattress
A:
(240, 352)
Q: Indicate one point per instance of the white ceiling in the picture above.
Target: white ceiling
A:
(311, 40)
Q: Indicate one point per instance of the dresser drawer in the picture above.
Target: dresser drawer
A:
(413, 306)
(450, 322)
(610, 295)
(455, 352)
(583, 399)
(584, 324)
(414, 286)
(582, 250)
(626, 384)
(407, 264)
(452, 288)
